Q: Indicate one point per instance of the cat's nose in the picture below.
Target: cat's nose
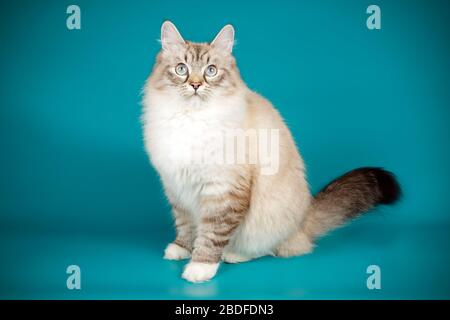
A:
(196, 85)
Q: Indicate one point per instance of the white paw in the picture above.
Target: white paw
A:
(199, 272)
(175, 252)
(231, 257)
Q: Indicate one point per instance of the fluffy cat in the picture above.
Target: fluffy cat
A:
(233, 212)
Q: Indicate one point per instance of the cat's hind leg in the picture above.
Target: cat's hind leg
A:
(296, 245)
(229, 256)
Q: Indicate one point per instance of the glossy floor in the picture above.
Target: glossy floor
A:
(413, 260)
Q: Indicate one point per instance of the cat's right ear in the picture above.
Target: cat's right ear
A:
(171, 38)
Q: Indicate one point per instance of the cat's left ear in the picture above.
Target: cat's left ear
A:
(224, 40)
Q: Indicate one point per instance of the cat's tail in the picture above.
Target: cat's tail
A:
(349, 196)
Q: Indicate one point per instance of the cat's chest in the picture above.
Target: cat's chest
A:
(186, 140)
(181, 149)
(186, 145)
(182, 141)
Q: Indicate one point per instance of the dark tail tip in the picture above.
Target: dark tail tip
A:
(388, 185)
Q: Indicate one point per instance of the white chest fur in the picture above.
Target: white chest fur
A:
(181, 138)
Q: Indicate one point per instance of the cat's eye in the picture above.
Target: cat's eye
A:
(181, 69)
(211, 71)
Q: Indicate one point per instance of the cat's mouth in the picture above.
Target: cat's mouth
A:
(197, 95)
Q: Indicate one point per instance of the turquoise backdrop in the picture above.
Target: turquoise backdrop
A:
(76, 186)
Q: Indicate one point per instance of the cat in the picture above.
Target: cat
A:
(234, 212)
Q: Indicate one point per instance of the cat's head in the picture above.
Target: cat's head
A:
(196, 70)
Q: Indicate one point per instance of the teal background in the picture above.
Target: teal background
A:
(76, 186)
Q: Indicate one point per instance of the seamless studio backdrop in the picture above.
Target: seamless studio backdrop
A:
(76, 187)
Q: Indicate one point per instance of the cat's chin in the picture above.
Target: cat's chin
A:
(196, 97)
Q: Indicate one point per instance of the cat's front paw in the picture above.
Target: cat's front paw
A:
(199, 272)
(175, 252)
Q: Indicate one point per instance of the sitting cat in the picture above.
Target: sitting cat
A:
(232, 211)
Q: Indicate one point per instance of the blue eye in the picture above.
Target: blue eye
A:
(211, 71)
(181, 69)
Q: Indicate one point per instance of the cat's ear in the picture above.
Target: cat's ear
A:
(224, 40)
(171, 38)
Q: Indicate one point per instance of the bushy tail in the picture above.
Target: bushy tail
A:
(350, 195)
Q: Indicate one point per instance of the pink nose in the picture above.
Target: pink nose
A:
(196, 85)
